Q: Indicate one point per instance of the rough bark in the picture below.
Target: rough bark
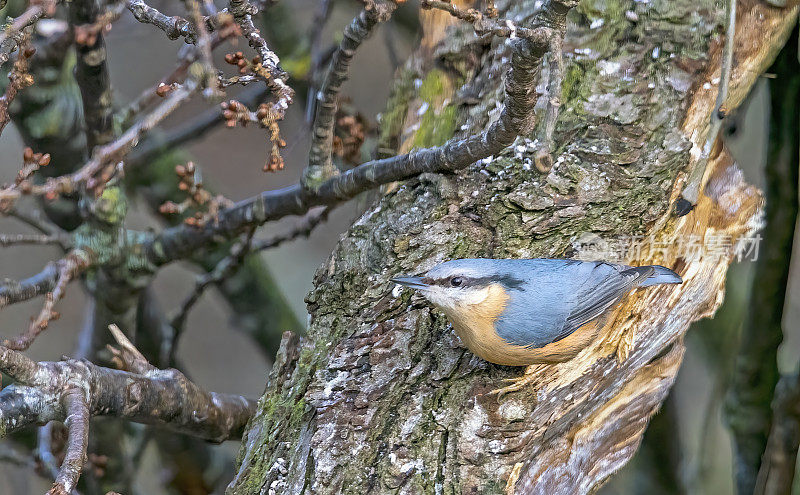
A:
(382, 398)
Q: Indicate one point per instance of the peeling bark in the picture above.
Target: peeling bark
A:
(382, 398)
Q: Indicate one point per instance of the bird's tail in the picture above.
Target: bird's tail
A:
(661, 275)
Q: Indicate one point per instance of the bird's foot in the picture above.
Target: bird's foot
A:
(518, 383)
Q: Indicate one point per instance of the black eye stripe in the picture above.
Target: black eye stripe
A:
(508, 281)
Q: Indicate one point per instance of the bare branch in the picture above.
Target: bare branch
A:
(208, 80)
(690, 192)
(73, 390)
(77, 422)
(128, 357)
(173, 26)
(194, 129)
(483, 23)
(91, 73)
(110, 153)
(33, 221)
(223, 270)
(67, 269)
(242, 11)
(320, 165)
(18, 79)
(12, 36)
(12, 292)
(543, 157)
(516, 118)
(36, 239)
(18, 366)
(302, 229)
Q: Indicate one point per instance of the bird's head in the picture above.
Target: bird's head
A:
(457, 285)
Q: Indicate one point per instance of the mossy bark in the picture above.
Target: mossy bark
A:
(382, 398)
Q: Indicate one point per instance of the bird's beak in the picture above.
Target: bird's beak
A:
(413, 282)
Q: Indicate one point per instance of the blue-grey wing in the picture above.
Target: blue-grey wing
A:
(563, 297)
(599, 295)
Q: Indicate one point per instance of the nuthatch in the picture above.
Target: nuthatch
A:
(521, 312)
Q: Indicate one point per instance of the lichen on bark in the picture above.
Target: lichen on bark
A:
(382, 398)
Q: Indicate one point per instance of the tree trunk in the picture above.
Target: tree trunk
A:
(382, 398)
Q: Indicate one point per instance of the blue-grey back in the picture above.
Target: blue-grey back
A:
(537, 311)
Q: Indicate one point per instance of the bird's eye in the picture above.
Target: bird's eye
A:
(456, 281)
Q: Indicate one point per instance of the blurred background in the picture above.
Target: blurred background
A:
(688, 444)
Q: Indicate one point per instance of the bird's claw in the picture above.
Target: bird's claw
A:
(514, 384)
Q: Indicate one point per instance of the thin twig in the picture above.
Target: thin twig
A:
(36, 239)
(103, 155)
(67, 268)
(303, 228)
(173, 26)
(483, 23)
(724, 80)
(318, 55)
(543, 159)
(209, 80)
(12, 35)
(320, 164)
(176, 76)
(242, 11)
(32, 221)
(127, 357)
(196, 128)
(515, 119)
(228, 265)
(691, 191)
(18, 78)
(12, 291)
(225, 268)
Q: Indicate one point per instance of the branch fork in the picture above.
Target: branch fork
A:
(73, 391)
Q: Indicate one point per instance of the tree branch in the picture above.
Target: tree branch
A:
(515, 119)
(12, 292)
(303, 228)
(320, 165)
(103, 155)
(242, 11)
(18, 78)
(66, 270)
(777, 472)
(32, 239)
(73, 390)
(690, 192)
(91, 74)
(13, 34)
(173, 26)
(196, 128)
(77, 422)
